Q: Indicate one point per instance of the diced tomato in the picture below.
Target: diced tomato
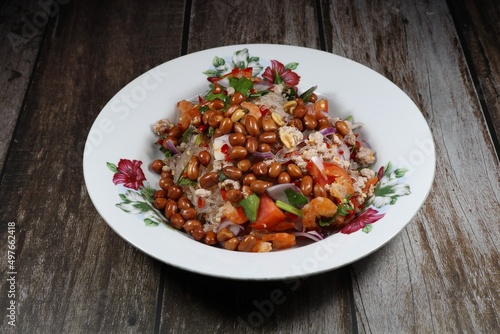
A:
(318, 176)
(263, 110)
(338, 174)
(224, 149)
(370, 182)
(268, 214)
(235, 215)
(223, 193)
(282, 226)
(201, 202)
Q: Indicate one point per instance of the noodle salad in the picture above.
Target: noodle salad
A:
(255, 164)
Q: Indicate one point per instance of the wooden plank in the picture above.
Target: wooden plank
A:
(441, 274)
(20, 41)
(478, 21)
(224, 306)
(74, 273)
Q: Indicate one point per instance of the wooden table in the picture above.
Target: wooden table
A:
(62, 61)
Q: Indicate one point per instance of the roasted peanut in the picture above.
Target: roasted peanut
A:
(198, 234)
(268, 137)
(342, 128)
(237, 153)
(189, 213)
(284, 177)
(274, 169)
(171, 208)
(184, 203)
(210, 238)
(232, 172)
(160, 203)
(306, 185)
(268, 124)
(204, 157)
(224, 234)
(252, 126)
(237, 139)
(319, 190)
(208, 180)
(252, 144)
(263, 147)
(237, 98)
(299, 111)
(160, 193)
(259, 186)
(226, 125)
(157, 166)
(294, 171)
(193, 168)
(248, 179)
(217, 104)
(191, 224)
(259, 168)
(174, 192)
(247, 243)
(214, 120)
(244, 165)
(234, 195)
(177, 221)
(309, 122)
(231, 244)
(239, 128)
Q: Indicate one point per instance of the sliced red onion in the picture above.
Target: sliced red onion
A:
(277, 192)
(235, 228)
(171, 147)
(313, 235)
(346, 155)
(263, 155)
(327, 115)
(318, 161)
(263, 85)
(327, 131)
(364, 143)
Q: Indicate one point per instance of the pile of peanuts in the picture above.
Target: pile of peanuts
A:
(248, 136)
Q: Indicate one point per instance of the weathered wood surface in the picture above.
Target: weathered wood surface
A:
(441, 274)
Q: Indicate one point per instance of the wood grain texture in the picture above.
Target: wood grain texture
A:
(480, 26)
(75, 274)
(441, 273)
(226, 22)
(20, 41)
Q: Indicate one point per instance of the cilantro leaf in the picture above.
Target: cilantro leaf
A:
(296, 199)
(326, 223)
(242, 85)
(250, 206)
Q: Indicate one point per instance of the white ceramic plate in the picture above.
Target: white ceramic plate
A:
(394, 127)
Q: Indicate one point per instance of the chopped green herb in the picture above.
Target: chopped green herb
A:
(325, 223)
(287, 207)
(187, 134)
(296, 199)
(211, 131)
(203, 109)
(250, 206)
(185, 182)
(307, 94)
(167, 153)
(344, 209)
(242, 85)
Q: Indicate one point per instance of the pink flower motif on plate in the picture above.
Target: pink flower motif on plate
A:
(129, 173)
(278, 72)
(369, 216)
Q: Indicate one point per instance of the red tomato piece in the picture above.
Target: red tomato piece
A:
(268, 214)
